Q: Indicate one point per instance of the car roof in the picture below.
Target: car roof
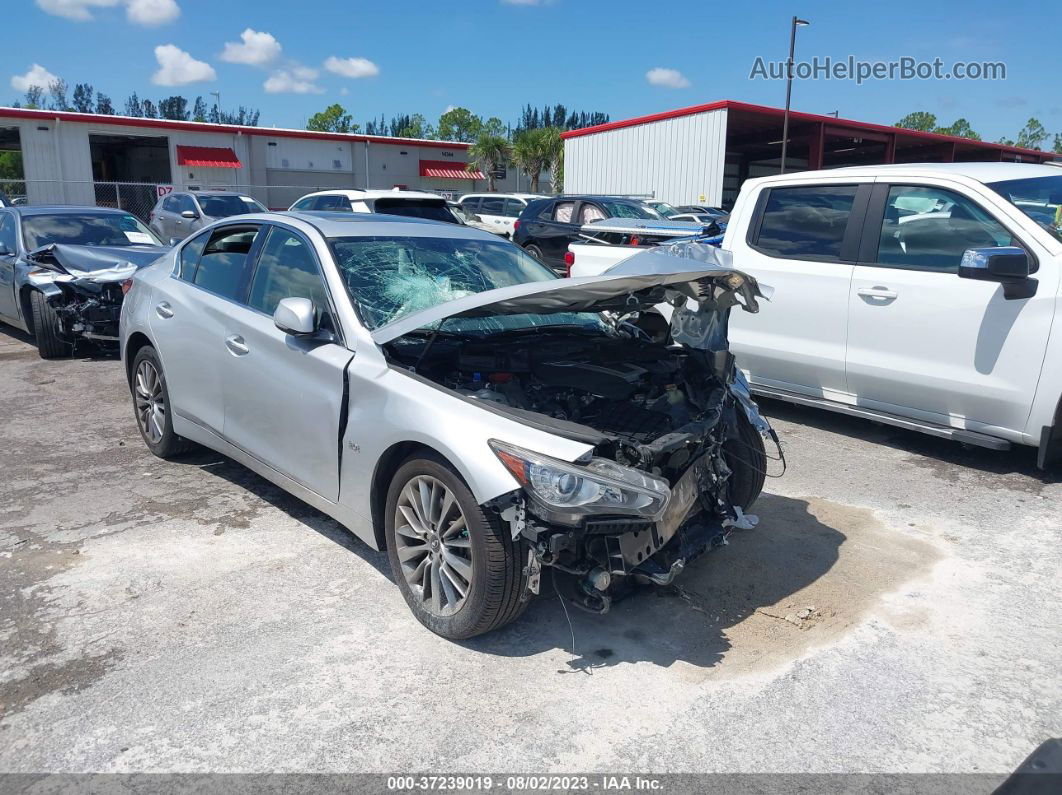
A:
(340, 224)
(374, 194)
(64, 209)
(210, 193)
(981, 172)
(600, 197)
(527, 196)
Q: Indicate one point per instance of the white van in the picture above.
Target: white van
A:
(498, 210)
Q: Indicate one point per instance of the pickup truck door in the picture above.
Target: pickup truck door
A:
(926, 344)
(802, 240)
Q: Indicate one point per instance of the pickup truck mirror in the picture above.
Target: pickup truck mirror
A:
(296, 316)
(1009, 266)
(1003, 264)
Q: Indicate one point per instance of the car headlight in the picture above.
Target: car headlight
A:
(564, 492)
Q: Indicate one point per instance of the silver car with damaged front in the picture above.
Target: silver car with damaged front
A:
(450, 400)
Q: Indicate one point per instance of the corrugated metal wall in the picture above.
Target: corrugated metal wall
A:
(678, 160)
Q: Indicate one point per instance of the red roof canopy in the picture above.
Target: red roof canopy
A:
(445, 169)
(207, 157)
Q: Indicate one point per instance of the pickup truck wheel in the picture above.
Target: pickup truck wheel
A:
(46, 328)
(534, 251)
(151, 402)
(457, 566)
(747, 458)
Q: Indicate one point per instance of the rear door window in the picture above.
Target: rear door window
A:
(492, 205)
(471, 203)
(223, 265)
(189, 256)
(588, 213)
(562, 212)
(513, 208)
(806, 222)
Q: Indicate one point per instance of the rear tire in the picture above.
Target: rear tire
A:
(487, 562)
(47, 329)
(151, 406)
(535, 252)
(747, 458)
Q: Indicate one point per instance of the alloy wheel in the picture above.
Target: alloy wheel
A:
(433, 544)
(150, 402)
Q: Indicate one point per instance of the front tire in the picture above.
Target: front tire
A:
(47, 329)
(457, 565)
(151, 403)
(747, 458)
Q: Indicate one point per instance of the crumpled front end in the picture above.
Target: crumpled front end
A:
(677, 444)
(85, 288)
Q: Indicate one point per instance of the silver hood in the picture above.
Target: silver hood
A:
(639, 282)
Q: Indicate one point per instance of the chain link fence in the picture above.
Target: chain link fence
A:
(136, 198)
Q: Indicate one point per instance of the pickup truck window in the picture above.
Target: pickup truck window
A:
(1040, 198)
(928, 228)
(806, 222)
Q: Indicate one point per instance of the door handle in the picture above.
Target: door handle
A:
(877, 292)
(163, 310)
(235, 344)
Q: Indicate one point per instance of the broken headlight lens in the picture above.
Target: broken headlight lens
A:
(565, 492)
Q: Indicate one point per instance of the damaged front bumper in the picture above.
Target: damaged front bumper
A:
(87, 305)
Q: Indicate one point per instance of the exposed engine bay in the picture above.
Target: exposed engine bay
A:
(679, 414)
(83, 284)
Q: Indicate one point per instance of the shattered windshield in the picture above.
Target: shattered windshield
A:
(391, 277)
(1040, 198)
(86, 229)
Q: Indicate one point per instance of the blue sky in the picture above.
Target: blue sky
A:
(492, 56)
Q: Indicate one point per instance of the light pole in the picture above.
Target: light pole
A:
(797, 22)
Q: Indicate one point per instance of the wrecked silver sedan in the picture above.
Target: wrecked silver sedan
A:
(62, 270)
(450, 400)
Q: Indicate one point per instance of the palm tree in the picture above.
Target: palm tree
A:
(553, 149)
(531, 154)
(488, 154)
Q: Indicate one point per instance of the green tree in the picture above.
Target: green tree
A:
(175, 108)
(58, 88)
(415, 126)
(553, 148)
(488, 154)
(919, 120)
(1057, 147)
(103, 104)
(34, 98)
(199, 110)
(11, 165)
(531, 154)
(83, 98)
(460, 124)
(1032, 135)
(334, 118)
(961, 128)
(150, 110)
(496, 127)
(133, 106)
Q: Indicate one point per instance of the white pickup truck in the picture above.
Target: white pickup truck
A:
(920, 295)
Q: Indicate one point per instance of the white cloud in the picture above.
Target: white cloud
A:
(36, 76)
(669, 78)
(152, 12)
(142, 12)
(178, 68)
(351, 67)
(294, 81)
(256, 49)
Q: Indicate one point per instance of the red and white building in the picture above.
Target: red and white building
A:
(702, 154)
(76, 158)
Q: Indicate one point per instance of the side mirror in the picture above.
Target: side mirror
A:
(191, 214)
(1006, 265)
(1003, 264)
(296, 316)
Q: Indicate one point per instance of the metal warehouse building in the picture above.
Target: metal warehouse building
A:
(702, 154)
(78, 158)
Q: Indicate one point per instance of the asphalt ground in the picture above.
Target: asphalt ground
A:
(896, 610)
